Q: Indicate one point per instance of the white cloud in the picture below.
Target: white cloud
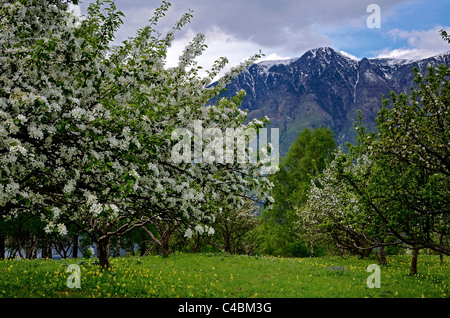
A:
(407, 54)
(421, 39)
(274, 57)
(220, 44)
(421, 44)
(290, 26)
(237, 29)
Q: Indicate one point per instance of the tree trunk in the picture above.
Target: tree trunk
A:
(2, 246)
(414, 261)
(117, 248)
(103, 253)
(196, 246)
(383, 256)
(46, 249)
(75, 247)
(380, 255)
(441, 255)
(19, 247)
(30, 251)
(227, 245)
(142, 246)
(164, 243)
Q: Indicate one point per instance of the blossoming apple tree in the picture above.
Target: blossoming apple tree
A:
(392, 187)
(86, 127)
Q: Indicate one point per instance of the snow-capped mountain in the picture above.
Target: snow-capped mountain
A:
(323, 88)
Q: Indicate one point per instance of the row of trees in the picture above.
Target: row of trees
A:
(86, 127)
(390, 189)
(25, 237)
(86, 153)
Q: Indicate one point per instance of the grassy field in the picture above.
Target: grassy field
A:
(224, 276)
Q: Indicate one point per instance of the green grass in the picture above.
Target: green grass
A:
(223, 276)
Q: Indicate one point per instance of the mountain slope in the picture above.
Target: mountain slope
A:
(323, 88)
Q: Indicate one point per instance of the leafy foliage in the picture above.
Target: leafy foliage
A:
(305, 160)
(86, 127)
(392, 186)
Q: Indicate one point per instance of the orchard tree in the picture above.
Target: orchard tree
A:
(413, 151)
(86, 127)
(392, 187)
(407, 184)
(233, 225)
(162, 229)
(335, 214)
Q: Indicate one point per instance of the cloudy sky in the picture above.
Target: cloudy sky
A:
(283, 29)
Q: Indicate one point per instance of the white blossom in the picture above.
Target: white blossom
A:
(77, 112)
(35, 132)
(62, 230)
(83, 126)
(188, 233)
(199, 229)
(56, 212)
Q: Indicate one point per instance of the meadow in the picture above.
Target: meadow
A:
(225, 276)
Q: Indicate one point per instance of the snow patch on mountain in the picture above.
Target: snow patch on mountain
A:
(393, 61)
(268, 63)
(350, 56)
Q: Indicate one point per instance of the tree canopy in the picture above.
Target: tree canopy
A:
(307, 157)
(392, 187)
(86, 127)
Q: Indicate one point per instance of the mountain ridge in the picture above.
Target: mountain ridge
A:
(324, 88)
